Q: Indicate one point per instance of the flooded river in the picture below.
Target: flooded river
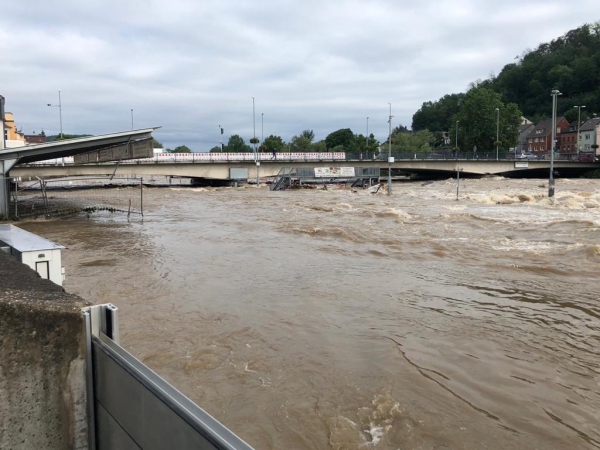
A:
(337, 320)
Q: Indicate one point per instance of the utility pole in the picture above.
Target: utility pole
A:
(554, 94)
(390, 159)
(497, 130)
(132, 118)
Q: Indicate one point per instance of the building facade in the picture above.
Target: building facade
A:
(567, 141)
(12, 137)
(540, 137)
(524, 130)
(589, 135)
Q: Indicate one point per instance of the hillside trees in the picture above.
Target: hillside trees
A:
(570, 63)
(437, 116)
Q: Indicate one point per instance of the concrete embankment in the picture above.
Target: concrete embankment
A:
(42, 362)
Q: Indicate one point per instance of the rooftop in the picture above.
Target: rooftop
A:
(24, 241)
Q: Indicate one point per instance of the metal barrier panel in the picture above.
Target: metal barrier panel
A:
(134, 408)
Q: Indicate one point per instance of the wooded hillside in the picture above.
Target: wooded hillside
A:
(570, 63)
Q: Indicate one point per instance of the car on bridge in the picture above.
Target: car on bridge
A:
(588, 157)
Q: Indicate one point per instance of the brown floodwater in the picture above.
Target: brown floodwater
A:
(337, 320)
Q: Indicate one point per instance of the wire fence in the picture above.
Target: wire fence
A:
(68, 196)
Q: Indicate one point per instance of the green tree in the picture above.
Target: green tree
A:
(273, 144)
(236, 144)
(215, 149)
(156, 144)
(181, 149)
(300, 144)
(318, 147)
(343, 137)
(308, 134)
(478, 121)
(411, 141)
(437, 116)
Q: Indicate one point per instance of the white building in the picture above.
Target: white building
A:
(40, 254)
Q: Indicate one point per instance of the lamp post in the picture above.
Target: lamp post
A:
(59, 106)
(262, 128)
(456, 138)
(497, 130)
(254, 139)
(132, 118)
(554, 94)
(367, 136)
(389, 190)
(221, 139)
(578, 124)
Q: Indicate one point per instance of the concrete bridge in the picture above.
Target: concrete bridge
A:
(426, 168)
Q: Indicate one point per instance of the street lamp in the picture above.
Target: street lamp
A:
(497, 130)
(59, 106)
(254, 140)
(578, 124)
(262, 127)
(221, 138)
(389, 190)
(456, 137)
(554, 94)
(132, 118)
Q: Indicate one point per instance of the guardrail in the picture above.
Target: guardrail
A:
(328, 157)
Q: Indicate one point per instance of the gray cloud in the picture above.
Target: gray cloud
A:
(191, 66)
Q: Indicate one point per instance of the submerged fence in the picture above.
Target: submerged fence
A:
(61, 197)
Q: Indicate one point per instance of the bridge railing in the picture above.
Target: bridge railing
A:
(328, 157)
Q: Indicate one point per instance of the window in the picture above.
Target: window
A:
(542, 148)
(588, 136)
(557, 130)
(538, 131)
(537, 139)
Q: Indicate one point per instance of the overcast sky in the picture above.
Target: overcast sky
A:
(191, 65)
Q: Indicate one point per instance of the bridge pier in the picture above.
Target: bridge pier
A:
(5, 166)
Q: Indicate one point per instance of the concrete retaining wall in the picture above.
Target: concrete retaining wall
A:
(42, 363)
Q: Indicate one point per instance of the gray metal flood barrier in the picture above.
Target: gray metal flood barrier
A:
(131, 407)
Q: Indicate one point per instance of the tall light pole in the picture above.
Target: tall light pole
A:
(132, 118)
(367, 135)
(389, 190)
(59, 106)
(456, 137)
(262, 128)
(221, 138)
(254, 139)
(497, 130)
(578, 124)
(554, 94)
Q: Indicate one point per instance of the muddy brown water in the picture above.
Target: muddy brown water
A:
(339, 320)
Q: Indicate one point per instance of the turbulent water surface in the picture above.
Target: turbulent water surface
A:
(331, 319)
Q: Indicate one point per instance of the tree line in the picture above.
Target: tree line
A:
(338, 141)
(570, 63)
